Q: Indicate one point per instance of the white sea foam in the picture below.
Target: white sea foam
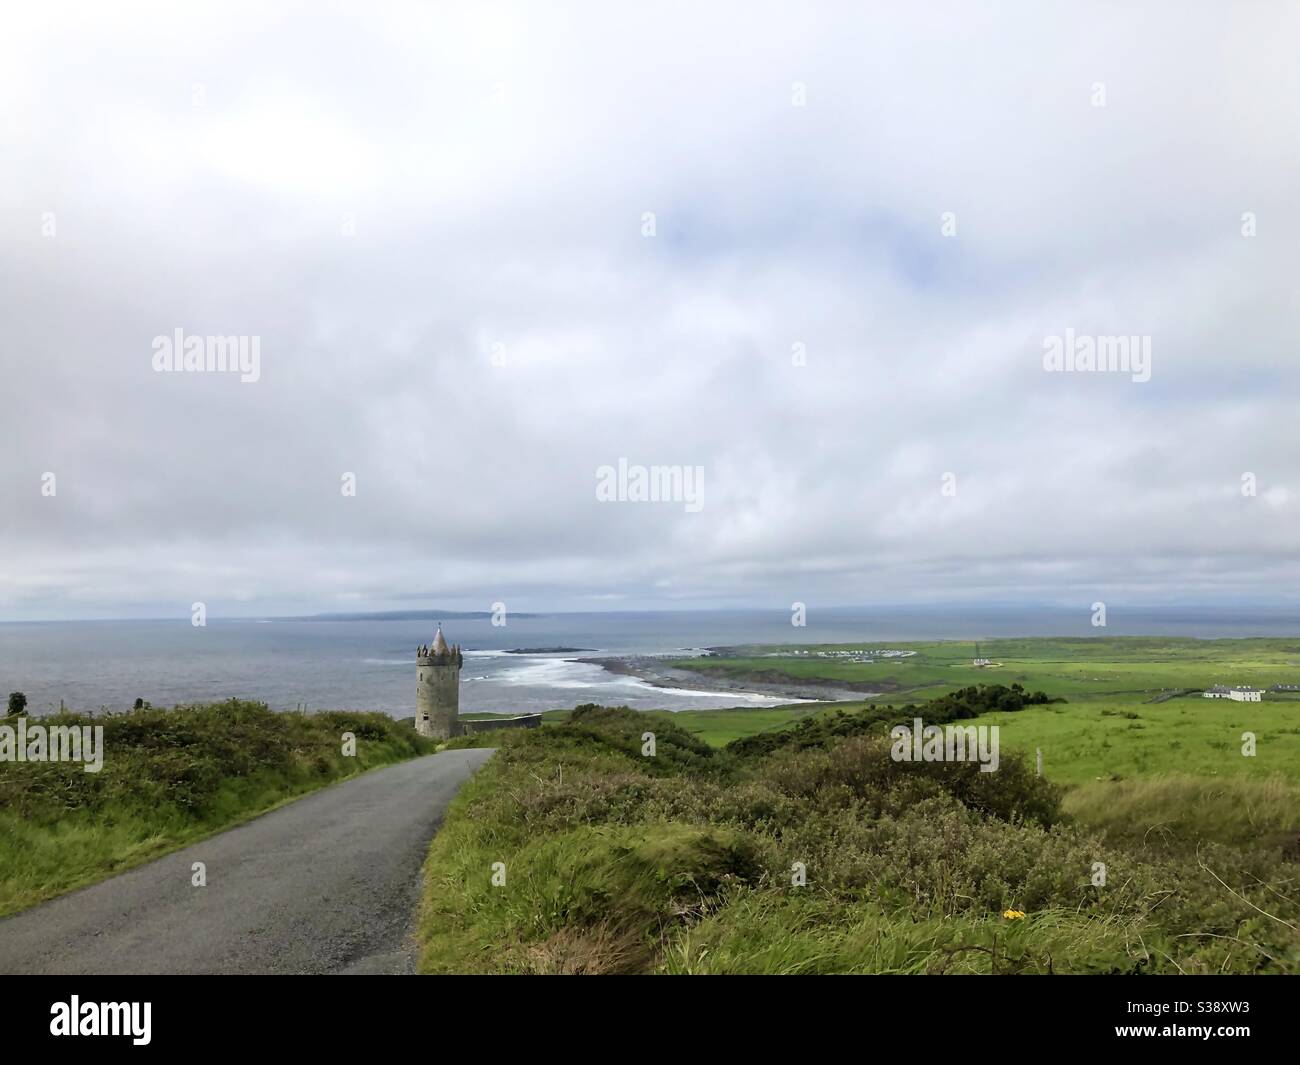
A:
(730, 696)
(554, 673)
(567, 674)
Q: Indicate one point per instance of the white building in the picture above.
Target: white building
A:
(1237, 695)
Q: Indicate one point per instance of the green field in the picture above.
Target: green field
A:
(1104, 666)
(1109, 728)
(1097, 738)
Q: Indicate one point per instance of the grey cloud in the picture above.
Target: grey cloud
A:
(497, 163)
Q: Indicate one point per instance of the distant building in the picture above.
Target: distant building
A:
(979, 662)
(1286, 687)
(1237, 694)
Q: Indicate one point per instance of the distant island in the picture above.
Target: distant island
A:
(549, 650)
(406, 615)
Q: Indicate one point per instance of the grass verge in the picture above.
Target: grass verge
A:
(169, 778)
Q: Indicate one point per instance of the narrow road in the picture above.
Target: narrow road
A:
(327, 884)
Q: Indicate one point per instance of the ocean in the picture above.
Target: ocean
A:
(369, 664)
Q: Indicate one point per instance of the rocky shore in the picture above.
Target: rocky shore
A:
(661, 674)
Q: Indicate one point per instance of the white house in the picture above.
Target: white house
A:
(1237, 694)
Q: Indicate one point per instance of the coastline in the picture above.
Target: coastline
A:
(655, 671)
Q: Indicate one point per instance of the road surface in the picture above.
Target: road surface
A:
(326, 884)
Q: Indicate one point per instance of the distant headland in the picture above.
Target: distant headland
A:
(550, 650)
(406, 615)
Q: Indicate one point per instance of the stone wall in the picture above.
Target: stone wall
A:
(491, 724)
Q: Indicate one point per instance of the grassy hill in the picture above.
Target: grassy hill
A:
(609, 860)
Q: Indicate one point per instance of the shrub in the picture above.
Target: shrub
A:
(825, 729)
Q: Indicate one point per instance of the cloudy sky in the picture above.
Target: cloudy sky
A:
(435, 218)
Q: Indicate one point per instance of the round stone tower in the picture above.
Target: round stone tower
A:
(437, 689)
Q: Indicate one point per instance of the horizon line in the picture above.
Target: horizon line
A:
(423, 614)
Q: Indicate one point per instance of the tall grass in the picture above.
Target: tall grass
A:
(836, 859)
(1175, 810)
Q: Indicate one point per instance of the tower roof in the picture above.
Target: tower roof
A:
(439, 644)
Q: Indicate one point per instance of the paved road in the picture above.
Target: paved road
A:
(327, 884)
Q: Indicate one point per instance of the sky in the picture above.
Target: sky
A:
(810, 257)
